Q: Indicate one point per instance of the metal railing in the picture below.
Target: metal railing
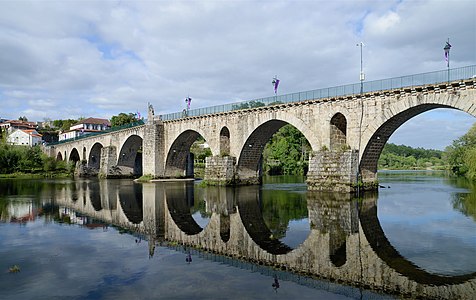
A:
(422, 79)
(91, 134)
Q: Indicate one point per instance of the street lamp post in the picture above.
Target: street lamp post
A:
(362, 78)
(447, 57)
(362, 75)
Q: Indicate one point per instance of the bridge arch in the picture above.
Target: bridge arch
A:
(94, 158)
(74, 156)
(249, 162)
(130, 156)
(59, 156)
(224, 141)
(250, 157)
(375, 137)
(179, 161)
(338, 132)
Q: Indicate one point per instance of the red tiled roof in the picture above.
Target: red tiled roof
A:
(94, 121)
(18, 123)
(32, 132)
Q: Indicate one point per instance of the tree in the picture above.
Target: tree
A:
(24, 119)
(286, 153)
(461, 155)
(404, 157)
(123, 119)
(64, 124)
(249, 104)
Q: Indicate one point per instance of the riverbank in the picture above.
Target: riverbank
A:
(35, 175)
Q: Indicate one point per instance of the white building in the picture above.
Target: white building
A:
(86, 126)
(26, 137)
(9, 126)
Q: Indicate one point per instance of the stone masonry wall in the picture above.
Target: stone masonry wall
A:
(333, 170)
(153, 150)
(220, 170)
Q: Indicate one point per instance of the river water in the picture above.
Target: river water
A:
(115, 239)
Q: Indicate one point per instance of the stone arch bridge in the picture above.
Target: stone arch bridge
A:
(347, 128)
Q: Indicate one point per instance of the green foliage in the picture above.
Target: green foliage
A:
(145, 178)
(461, 155)
(64, 124)
(281, 207)
(200, 152)
(9, 159)
(469, 159)
(286, 153)
(123, 119)
(466, 204)
(249, 104)
(400, 157)
(22, 159)
(24, 119)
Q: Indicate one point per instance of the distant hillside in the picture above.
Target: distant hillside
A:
(400, 157)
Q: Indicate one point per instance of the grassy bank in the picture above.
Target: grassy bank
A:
(34, 175)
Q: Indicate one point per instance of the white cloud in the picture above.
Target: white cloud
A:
(104, 57)
(381, 25)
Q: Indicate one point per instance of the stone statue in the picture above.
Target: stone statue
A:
(150, 114)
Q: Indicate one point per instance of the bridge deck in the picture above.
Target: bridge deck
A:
(422, 79)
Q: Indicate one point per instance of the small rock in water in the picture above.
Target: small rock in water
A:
(14, 269)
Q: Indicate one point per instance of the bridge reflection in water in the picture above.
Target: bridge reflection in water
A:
(345, 243)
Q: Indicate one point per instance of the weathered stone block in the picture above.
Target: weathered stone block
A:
(333, 170)
(220, 170)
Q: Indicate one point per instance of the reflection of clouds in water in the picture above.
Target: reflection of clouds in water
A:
(432, 251)
(296, 233)
(414, 206)
(63, 259)
(419, 220)
(291, 187)
(121, 269)
(202, 221)
(175, 279)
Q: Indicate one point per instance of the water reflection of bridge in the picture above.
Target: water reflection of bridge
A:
(346, 242)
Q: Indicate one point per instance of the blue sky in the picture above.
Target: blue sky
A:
(99, 58)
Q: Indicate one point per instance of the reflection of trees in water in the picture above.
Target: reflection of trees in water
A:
(281, 207)
(200, 206)
(4, 210)
(23, 187)
(197, 202)
(31, 189)
(464, 202)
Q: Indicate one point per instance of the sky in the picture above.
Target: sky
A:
(71, 59)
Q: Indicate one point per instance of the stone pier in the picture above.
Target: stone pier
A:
(333, 170)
